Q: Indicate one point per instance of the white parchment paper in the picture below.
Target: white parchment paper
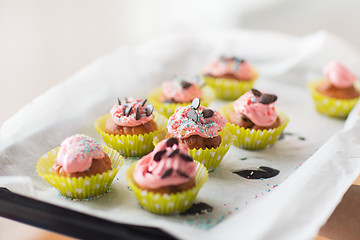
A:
(318, 158)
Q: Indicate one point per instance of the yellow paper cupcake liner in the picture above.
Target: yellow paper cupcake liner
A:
(131, 145)
(229, 89)
(82, 187)
(210, 158)
(166, 204)
(332, 107)
(168, 109)
(253, 139)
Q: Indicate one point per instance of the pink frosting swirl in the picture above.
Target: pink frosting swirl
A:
(181, 91)
(168, 165)
(181, 126)
(77, 152)
(260, 114)
(239, 68)
(338, 75)
(126, 113)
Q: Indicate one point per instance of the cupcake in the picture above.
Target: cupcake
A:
(254, 121)
(201, 130)
(336, 94)
(80, 168)
(130, 127)
(230, 77)
(179, 92)
(167, 180)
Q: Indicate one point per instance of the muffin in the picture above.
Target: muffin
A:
(80, 168)
(167, 180)
(201, 130)
(130, 127)
(336, 94)
(254, 121)
(179, 92)
(230, 77)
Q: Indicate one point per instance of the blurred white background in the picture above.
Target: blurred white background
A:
(44, 42)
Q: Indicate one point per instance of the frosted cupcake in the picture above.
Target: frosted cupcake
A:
(178, 92)
(254, 121)
(201, 129)
(336, 94)
(81, 168)
(167, 180)
(230, 77)
(130, 127)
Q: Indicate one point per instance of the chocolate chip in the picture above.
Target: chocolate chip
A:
(171, 141)
(186, 158)
(158, 155)
(208, 113)
(267, 98)
(167, 173)
(142, 103)
(180, 173)
(149, 110)
(192, 115)
(127, 111)
(256, 92)
(195, 103)
(137, 116)
(173, 153)
(119, 102)
(185, 84)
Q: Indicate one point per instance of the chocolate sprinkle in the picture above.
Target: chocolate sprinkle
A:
(267, 98)
(256, 92)
(180, 173)
(119, 102)
(173, 153)
(195, 103)
(142, 103)
(198, 208)
(137, 116)
(185, 84)
(185, 157)
(126, 100)
(167, 173)
(158, 155)
(264, 172)
(128, 110)
(208, 113)
(171, 141)
(149, 110)
(192, 115)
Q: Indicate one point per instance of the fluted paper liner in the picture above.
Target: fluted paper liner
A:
(82, 187)
(253, 139)
(332, 107)
(166, 204)
(210, 158)
(168, 109)
(229, 89)
(131, 145)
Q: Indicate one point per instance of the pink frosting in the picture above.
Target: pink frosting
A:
(180, 126)
(77, 152)
(121, 119)
(239, 68)
(153, 174)
(339, 75)
(174, 90)
(260, 114)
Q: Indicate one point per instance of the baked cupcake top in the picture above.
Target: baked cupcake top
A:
(338, 75)
(258, 107)
(195, 120)
(77, 152)
(168, 165)
(233, 68)
(131, 112)
(180, 90)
